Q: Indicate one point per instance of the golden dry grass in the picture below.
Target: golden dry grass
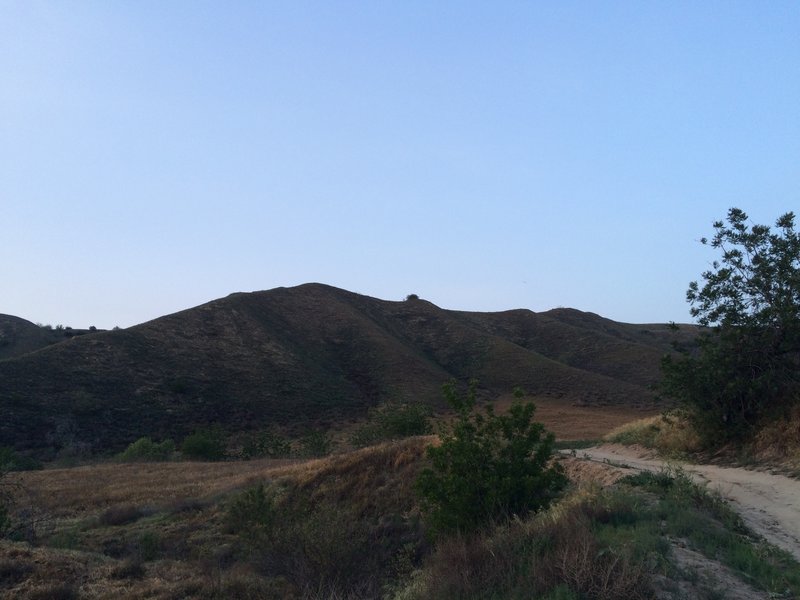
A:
(779, 441)
(373, 481)
(570, 421)
(75, 491)
(668, 435)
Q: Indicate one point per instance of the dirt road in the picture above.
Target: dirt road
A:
(769, 504)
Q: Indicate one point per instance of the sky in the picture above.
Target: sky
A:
(483, 155)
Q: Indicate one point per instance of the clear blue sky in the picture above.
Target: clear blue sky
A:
(484, 155)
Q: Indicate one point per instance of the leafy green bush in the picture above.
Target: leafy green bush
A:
(553, 555)
(319, 548)
(488, 467)
(204, 444)
(145, 449)
(266, 444)
(316, 444)
(393, 421)
(10, 460)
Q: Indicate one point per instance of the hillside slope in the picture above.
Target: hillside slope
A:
(311, 354)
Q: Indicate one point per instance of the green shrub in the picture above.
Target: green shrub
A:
(393, 421)
(553, 555)
(145, 449)
(319, 548)
(488, 467)
(316, 444)
(266, 444)
(252, 511)
(148, 547)
(115, 516)
(204, 444)
(10, 460)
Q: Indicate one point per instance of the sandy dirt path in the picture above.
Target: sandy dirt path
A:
(769, 504)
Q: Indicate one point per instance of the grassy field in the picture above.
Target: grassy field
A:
(349, 526)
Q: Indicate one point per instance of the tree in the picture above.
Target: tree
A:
(745, 363)
(204, 444)
(488, 466)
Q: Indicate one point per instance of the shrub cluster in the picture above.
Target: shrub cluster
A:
(316, 444)
(10, 460)
(488, 466)
(320, 549)
(393, 421)
(266, 444)
(144, 449)
(205, 444)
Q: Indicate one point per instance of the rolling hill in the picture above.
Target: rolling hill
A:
(18, 336)
(308, 355)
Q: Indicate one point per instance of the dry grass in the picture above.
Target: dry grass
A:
(779, 442)
(533, 558)
(369, 480)
(586, 471)
(136, 540)
(570, 421)
(87, 489)
(670, 436)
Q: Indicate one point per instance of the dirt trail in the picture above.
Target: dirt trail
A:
(769, 504)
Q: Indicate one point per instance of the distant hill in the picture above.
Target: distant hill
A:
(18, 336)
(308, 355)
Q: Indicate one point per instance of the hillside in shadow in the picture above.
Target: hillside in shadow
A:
(308, 355)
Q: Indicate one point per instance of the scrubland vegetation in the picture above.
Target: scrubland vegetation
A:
(363, 524)
(485, 509)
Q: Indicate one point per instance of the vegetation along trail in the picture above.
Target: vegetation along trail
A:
(769, 504)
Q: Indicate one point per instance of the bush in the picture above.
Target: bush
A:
(555, 555)
(266, 444)
(120, 515)
(204, 444)
(11, 461)
(321, 548)
(145, 449)
(488, 467)
(393, 421)
(316, 444)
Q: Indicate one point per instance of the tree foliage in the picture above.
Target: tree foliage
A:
(145, 449)
(393, 421)
(745, 364)
(488, 466)
(204, 444)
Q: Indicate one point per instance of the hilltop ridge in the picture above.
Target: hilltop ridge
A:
(311, 354)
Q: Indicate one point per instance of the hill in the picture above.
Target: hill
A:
(18, 336)
(308, 356)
